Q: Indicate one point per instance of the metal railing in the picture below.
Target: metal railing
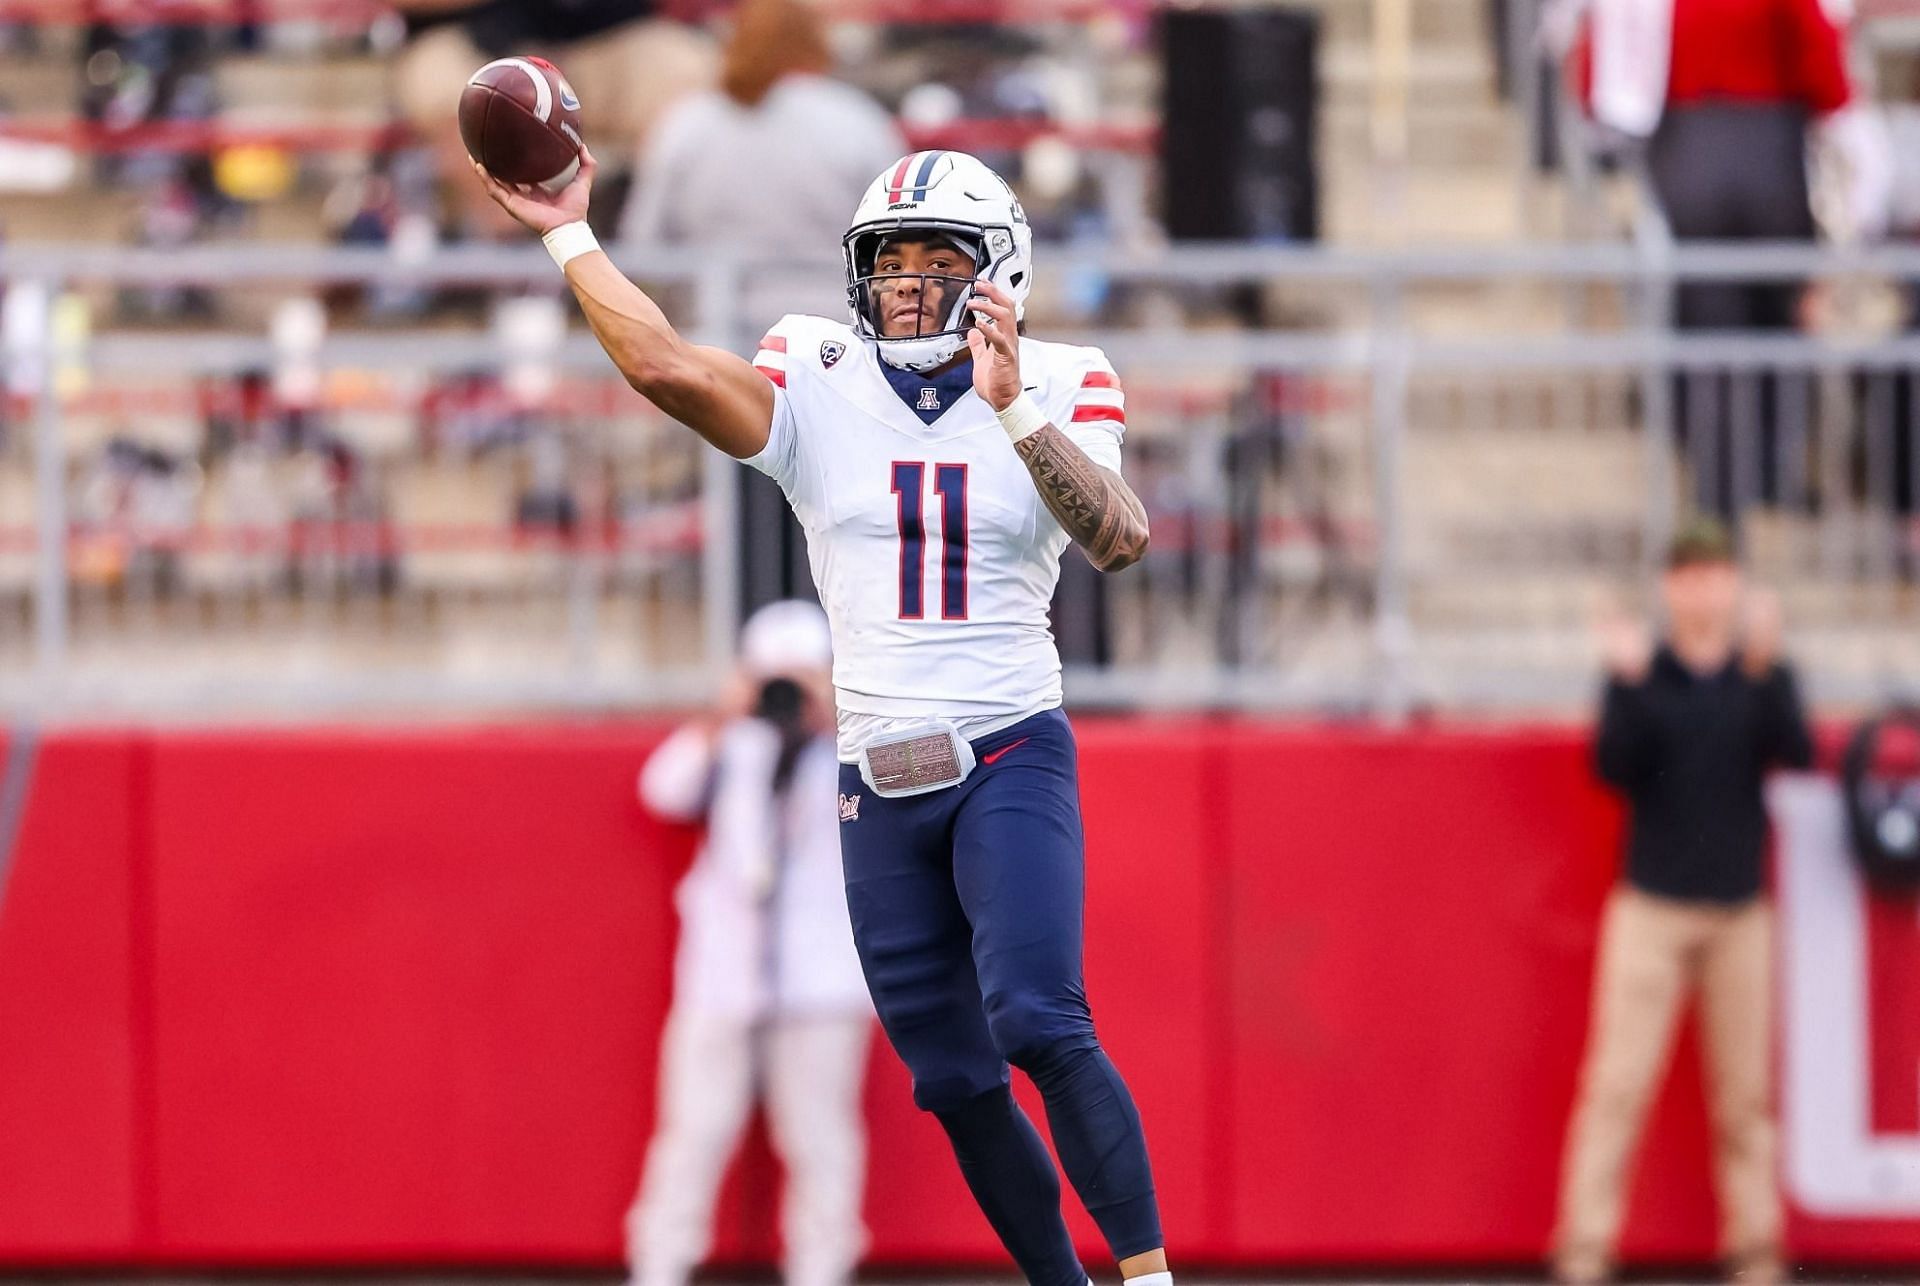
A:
(1410, 495)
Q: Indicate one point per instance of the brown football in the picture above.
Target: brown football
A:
(519, 118)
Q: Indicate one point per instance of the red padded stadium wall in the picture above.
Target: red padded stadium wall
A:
(69, 1102)
(330, 997)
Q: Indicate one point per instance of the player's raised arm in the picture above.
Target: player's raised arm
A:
(715, 393)
(1092, 504)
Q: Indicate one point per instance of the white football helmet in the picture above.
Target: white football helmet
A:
(946, 194)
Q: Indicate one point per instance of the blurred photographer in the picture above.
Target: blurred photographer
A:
(1688, 731)
(768, 1000)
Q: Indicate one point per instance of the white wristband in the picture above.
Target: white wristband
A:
(1023, 419)
(569, 241)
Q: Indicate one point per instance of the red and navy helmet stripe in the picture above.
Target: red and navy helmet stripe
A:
(899, 179)
(926, 173)
(920, 164)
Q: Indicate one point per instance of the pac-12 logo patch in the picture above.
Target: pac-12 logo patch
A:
(929, 400)
(831, 351)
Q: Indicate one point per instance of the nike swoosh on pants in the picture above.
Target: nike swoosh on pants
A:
(987, 759)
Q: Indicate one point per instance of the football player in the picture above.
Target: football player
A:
(940, 463)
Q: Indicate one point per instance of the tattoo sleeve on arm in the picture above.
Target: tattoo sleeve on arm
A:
(1091, 503)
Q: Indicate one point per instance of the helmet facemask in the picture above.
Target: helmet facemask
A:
(937, 333)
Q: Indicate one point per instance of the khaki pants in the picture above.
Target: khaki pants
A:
(1653, 953)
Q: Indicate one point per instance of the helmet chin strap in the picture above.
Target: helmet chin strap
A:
(920, 354)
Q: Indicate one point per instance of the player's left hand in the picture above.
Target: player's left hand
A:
(994, 341)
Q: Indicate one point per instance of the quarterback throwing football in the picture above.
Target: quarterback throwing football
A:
(940, 464)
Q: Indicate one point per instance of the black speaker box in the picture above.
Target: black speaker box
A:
(1237, 149)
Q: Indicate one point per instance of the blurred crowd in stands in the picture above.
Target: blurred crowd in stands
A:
(191, 122)
(696, 96)
(150, 117)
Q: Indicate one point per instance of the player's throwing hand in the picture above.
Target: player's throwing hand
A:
(994, 340)
(538, 209)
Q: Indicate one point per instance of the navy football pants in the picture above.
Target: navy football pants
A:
(967, 912)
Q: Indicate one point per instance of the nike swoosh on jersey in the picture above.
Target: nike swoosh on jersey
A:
(987, 759)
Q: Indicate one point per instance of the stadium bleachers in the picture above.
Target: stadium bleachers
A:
(1519, 491)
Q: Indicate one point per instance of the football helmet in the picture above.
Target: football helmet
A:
(948, 195)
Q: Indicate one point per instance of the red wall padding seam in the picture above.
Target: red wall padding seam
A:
(143, 1000)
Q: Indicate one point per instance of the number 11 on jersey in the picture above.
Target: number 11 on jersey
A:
(950, 484)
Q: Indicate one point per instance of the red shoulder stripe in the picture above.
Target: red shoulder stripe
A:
(1100, 379)
(778, 377)
(1081, 414)
(774, 343)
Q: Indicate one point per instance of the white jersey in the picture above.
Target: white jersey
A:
(934, 557)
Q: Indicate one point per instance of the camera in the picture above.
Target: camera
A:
(782, 703)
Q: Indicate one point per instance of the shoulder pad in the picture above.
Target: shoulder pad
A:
(799, 342)
(1081, 377)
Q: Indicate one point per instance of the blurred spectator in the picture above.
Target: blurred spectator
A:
(1725, 92)
(150, 64)
(142, 66)
(255, 512)
(236, 410)
(547, 501)
(137, 506)
(386, 206)
(778, 117)
(810, 146)
(467, 411)
(143, 63)
(626, 64)
(1687, 734)
(172, 215)
(768, 997)
(336, 515)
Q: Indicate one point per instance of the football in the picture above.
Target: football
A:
(520, 119)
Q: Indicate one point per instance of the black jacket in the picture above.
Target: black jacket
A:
(503, 27)
(1689, 752)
